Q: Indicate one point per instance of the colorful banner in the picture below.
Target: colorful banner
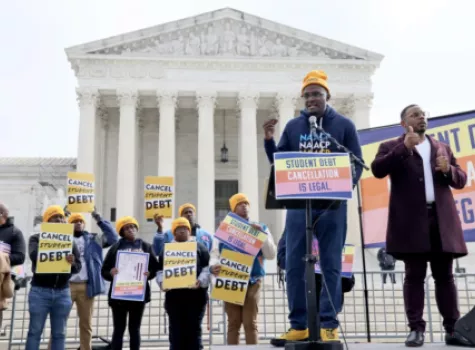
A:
(232, 281)
(81, 198)
(179, 265)
(313, 176)
(159, 196)
(458, 131)
(130, 283)
(238, 234)
(55, 244)
(347, 259)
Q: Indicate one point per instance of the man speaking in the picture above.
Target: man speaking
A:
(330, 226)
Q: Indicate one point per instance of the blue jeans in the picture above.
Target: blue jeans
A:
(330, 231)
(41, 302)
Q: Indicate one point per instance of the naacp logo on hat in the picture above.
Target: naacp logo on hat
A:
(318, 143)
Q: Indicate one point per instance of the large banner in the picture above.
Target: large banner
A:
(458, 131)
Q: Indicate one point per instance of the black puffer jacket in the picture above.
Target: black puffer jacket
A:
(12, 235)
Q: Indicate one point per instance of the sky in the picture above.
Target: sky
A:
(428, 47)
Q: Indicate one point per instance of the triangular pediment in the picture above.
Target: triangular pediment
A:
(223, 33)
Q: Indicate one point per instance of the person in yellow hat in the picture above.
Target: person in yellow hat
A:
(246, 314)
(187, 211)
(299, 136)
(50, 293)
(186, 307)
(127, 227)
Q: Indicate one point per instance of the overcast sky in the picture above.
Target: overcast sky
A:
(429, 50)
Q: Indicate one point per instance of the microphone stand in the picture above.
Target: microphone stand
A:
(356, 160)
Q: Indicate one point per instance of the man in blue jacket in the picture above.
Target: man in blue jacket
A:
(187, 211)
(88, 283)
(330, 225)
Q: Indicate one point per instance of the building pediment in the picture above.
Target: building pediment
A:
(223, 33)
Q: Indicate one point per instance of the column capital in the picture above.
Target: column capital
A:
(167, 98)
(206, 99)
(248, 99)
(127, 97)
(87, 96)
(286, 100)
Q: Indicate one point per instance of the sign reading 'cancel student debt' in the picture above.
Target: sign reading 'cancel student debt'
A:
(55, 244)
(313, 176)
(231, 283)
(158, 196)
(179, 265)
(81, 197)
(239, 234)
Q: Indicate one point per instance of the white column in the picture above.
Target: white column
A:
(88, 99)
(361, 112)
(167, 102)
(206, 207)
(248, 165)
(285, 104)
(127, 155)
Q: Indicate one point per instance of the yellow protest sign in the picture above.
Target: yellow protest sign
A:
(55, 244)
(179, 265)
(231, 282)
(159, 196)
(81, 197)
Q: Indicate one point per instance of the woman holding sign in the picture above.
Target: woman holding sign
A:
(185, 306)
(54, 258)
(129, 301)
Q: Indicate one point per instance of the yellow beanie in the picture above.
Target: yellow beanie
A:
(126, 220)
(236, 199)
(316, 77)
(52, 211)
(180, 222)
(182, 208)
(76, 217)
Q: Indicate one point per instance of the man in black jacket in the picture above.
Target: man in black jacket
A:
(49, 293)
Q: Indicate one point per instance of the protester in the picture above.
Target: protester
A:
(127, 227)
(88, 283)
(423, 222)
(330, 225)
(50, 293)
(159, 238)
(387, 263)
(247, 314)
(188, 211)
(186, 307)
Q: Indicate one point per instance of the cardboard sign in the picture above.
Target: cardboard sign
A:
(55, 244)
(179, 265)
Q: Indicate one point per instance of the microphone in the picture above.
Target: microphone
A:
(312, 121)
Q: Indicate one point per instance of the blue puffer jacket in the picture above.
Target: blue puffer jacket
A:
(93, 245)
(161, 238)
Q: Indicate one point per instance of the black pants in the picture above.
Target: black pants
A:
(185, 315)
(120, 311)
(392, 276)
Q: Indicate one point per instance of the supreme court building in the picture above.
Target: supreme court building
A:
(188, 99)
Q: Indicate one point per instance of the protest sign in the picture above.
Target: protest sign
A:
(130, 282)
(347, 256)
(239, 234)
(159, 196)
(313, 176)
(81, 197)
(232, 281)
(179, 265)
(55, 244)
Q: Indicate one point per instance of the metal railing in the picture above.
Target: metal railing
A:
(387, 320)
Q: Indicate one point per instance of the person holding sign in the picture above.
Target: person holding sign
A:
(330, 225)
(186, 306)
(50, 293)
(127, 227)
(423, 223)
(246, 314)
(187, 211)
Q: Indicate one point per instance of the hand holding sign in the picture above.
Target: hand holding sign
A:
(197, 285)
(411, 140)
(442, 161)
(70, 259)
(114, 271)
(215, 269)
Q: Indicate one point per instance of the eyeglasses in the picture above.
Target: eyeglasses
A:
(316, 94)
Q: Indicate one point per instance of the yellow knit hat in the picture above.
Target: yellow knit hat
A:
(182, 208)
(180, 222)
(236, 199)
(51, 211)
(316, 77)
(76, 217)
(126, 220)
